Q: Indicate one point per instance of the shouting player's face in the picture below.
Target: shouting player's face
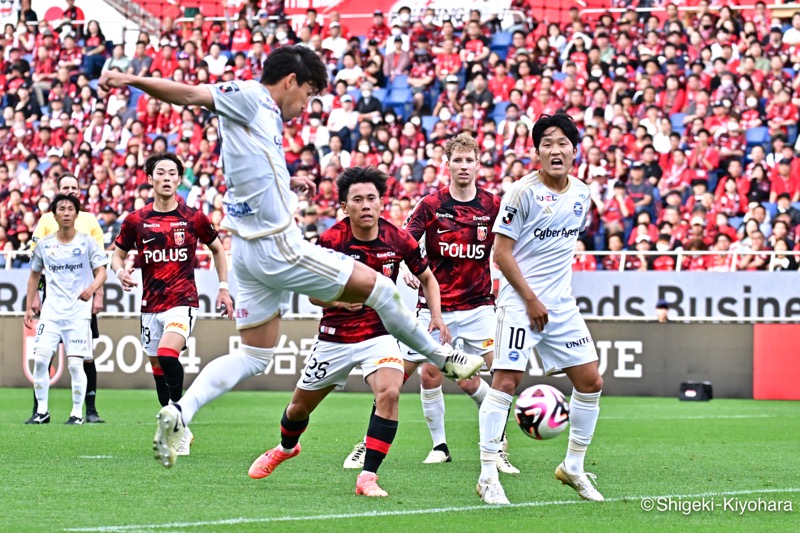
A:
(556, 153)
(65, 214)
(363, 205)
(463, 168)
(165, 179)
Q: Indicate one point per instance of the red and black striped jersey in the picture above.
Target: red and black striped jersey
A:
(167, 243)
(458, 242)
(384, 255)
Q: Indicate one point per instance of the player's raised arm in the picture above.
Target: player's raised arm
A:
(221, 266)
(163, 89)
(433, 298)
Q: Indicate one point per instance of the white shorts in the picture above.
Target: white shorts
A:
(564, 343)
(180, 320)
(269, 269)
(475, 328)
(75, 333)
(331, 362)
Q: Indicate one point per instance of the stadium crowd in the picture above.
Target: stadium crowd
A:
(688, 119)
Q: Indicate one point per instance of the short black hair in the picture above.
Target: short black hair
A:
(298, 60)
(60, 197)
(153, 160)
(355, 175)
(561, 121)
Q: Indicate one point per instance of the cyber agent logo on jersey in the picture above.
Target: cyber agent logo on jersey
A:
(388, 270)
(179, 237)
(509, 216)
(229, 87)
(577, 209)
(483, 232)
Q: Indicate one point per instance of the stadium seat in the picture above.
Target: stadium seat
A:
(735, 222)
(499, 112)
(380, 94)
(677, 122)
(791, 134)
(135, 95)
(399, 82)
(757, 136)
(559, 76)
(796, 205)
(400, 101)
(772, 209)
(428, 123)
(501, 39)
(355, 94)
(93, 84)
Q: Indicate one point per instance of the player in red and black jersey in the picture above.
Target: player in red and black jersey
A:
(455, 226)
(166, 234)
(352, 335)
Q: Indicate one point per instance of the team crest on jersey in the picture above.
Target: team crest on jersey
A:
(229, 87)
(483, 232)
(76, 251)
(179, 237)
(509, 215)
(388, 270)
(577, 209)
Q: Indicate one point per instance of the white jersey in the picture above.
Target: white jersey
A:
(259, 200)
(69, 269)
(545, 226)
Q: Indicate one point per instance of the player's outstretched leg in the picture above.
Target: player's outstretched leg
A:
(169, 432)
(401, 323)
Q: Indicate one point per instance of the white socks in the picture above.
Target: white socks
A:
(480, 394)
(433, 409)
(584, 408)
(221, 375)
(492, 418)
(75, 365)
(401, 322)
(41, 381)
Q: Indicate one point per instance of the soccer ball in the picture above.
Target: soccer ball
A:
(542, 412)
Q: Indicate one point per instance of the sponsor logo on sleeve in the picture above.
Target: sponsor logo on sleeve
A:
(508, 216)
(229, 87)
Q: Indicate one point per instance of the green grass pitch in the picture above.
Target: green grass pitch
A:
(104, 477)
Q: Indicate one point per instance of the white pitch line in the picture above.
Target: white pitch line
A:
(95, 457)
(701, 417)
(378, 514)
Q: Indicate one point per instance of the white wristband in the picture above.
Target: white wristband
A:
(223, 285)
(120, 269)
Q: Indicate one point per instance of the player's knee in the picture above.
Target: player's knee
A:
(41, 359)
(260, 357)
(430, 377)
(590, 385)
(504, 382)
(297, 411)
(470, 386)
(388, 396)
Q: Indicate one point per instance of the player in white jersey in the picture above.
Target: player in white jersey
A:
(270, 257)
(540, 218)
(76, 268)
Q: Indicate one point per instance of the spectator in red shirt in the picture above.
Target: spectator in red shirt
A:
(785, 182)
(781, 113)
(379, 31)
(583, 262)
(165, 61)
(474, 46)
(501, 84)
(241, 36)
(618, 210)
